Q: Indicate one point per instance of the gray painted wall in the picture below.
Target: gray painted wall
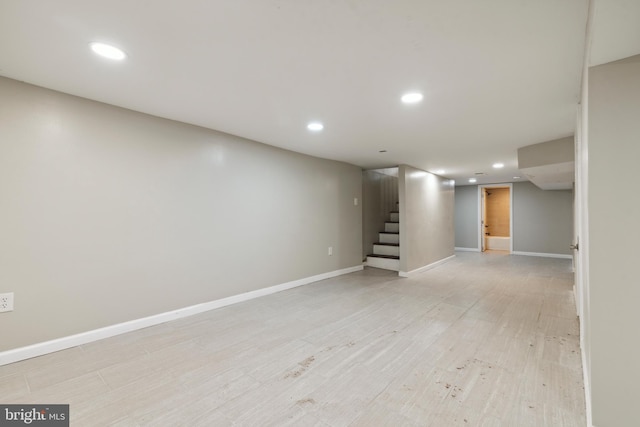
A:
(426, 218)
(542, 219)
(614, 233)
(546, 153)
(108, 215)
(466, 216)
(379, 197)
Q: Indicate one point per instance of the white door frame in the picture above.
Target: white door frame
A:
(481, 189)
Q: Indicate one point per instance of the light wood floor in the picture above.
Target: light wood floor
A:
(483, 340)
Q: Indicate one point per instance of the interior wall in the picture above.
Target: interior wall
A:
(546, 153)
(614, 233)
(498, 212)
(542, 219)
(466, 217)
(426, 218)
(581, 215)
(109, 215)
(379, 197)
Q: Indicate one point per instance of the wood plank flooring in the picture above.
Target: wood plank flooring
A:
(482, 340)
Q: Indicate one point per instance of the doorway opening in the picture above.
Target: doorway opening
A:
(496, 211)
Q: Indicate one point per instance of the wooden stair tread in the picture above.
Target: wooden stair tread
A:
(387, 244)
(389, 232)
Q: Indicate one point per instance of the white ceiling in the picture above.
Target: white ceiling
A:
(496, 74)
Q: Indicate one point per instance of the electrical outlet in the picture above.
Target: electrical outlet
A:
(330, 250)
(6, 302)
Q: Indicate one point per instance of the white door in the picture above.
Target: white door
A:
(483, 221)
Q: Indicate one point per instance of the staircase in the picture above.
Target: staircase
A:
(386, 253)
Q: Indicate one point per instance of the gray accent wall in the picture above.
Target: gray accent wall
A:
(426, 218)
(614, 234)
(542, 219)
(466, 216)
(108, 215)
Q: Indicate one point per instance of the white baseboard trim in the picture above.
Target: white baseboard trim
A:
(39, 349)
(466, 249)
(587, 384)
(425, 268)
(542, 254)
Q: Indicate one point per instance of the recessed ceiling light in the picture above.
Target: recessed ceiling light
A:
(498, 165)
(412, 98)
(108, 51)
(516, 177)
(315, 126)
(440, 172)
(472, 180)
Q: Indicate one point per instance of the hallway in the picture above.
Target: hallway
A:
(482, 340)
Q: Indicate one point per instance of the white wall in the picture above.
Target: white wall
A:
(107, 215)
(614, 234)
(426, 218)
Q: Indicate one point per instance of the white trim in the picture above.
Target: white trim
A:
(466, 249)
(542, 254)
(587, 384)
(479, 218)
(425, 268)
(581, 207)
(39, 349)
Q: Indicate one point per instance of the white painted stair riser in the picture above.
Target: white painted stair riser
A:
(386, 250)
(392, 226)
(395, 217)
(389, 238)
(384, 263)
